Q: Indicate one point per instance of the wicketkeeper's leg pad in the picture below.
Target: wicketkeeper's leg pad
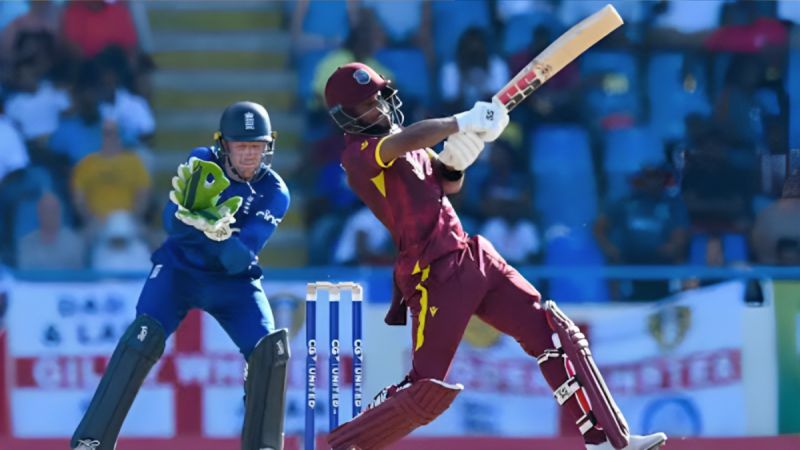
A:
(265, 393)
(586, 379)
(140, 347)
(406, 410)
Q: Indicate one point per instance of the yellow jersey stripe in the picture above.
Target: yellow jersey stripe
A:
(378, 155)
(423, 303)
(380, 183)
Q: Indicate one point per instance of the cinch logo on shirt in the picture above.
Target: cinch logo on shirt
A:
(267, 215)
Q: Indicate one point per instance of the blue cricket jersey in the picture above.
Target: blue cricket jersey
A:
(263, 207)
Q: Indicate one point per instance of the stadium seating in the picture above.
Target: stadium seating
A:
(734, 248)
(306, 67)
(328, 20)
(626, 151)
(565, 191)
(793, 89)
(575, 247)
(410, 72)
(518, 31)
(617, 90)
(674, 92)
(451, 19)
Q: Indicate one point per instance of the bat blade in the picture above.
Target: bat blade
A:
(557, 55)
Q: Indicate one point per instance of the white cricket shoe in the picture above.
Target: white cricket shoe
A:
(650, 442)
(87, 444)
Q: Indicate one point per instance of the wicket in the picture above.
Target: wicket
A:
(334, 296)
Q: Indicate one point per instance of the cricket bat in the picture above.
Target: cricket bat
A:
(557, 55)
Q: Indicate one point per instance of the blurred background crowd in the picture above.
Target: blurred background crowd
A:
(667, 144)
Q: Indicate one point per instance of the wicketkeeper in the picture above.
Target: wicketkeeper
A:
(225, 203)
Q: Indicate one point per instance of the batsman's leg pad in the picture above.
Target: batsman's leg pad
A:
(408, 409)
(588, 380)
(140, 347)
(265, 393)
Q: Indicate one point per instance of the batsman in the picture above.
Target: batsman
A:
(225, 203)
(445, 276)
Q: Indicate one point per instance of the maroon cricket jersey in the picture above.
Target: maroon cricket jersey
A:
(406, 195)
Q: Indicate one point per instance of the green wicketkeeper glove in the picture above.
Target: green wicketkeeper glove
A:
(196, 190)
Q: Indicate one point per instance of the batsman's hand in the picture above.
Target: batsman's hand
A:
(487, 120)
(461, 150)
(196, 191)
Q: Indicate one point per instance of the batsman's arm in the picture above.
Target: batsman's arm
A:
(423, 134)
(452, 179)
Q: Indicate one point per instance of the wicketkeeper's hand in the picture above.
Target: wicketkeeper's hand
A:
(487, 120)
(461, 150)
(196, 190)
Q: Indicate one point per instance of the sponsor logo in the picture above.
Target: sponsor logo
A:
(142, 333)
(156, 271)
(670, 325)
(267, 215)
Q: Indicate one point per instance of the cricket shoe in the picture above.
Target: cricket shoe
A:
(87, 444)
(650, 442)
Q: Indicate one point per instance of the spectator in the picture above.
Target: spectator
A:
(321, 24)
(742, 107)
(778, 222)
(647, 227)
(559, 99)
(109, 180)
(476, 74)
(131, 112)
(92, 25)
(52, 245)
(684, 24)
(788, 252)
(328, 211)
(364, 40)
(747, 27)
(120, 247)
(42, 15)
(364, 241)
(717, 192)
(20, 191)
(15, 154)
(406, 23)
(506, 204)
(80, 132)
(34, 104)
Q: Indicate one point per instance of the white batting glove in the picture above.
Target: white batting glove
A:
(461, 150)
(488, 120)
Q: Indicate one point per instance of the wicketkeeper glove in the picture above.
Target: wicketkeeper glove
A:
(196, 191)
(487, 120)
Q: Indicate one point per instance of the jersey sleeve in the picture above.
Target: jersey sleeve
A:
(259, 227)
(363, 156)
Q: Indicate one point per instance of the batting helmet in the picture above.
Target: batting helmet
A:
(354, 83)
(246, 122)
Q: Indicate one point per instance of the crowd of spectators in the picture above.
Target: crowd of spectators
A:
(75, 123)
(665, 144)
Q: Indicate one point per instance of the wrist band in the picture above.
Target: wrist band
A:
(451, 175)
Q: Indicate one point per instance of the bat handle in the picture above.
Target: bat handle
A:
(496, 101)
